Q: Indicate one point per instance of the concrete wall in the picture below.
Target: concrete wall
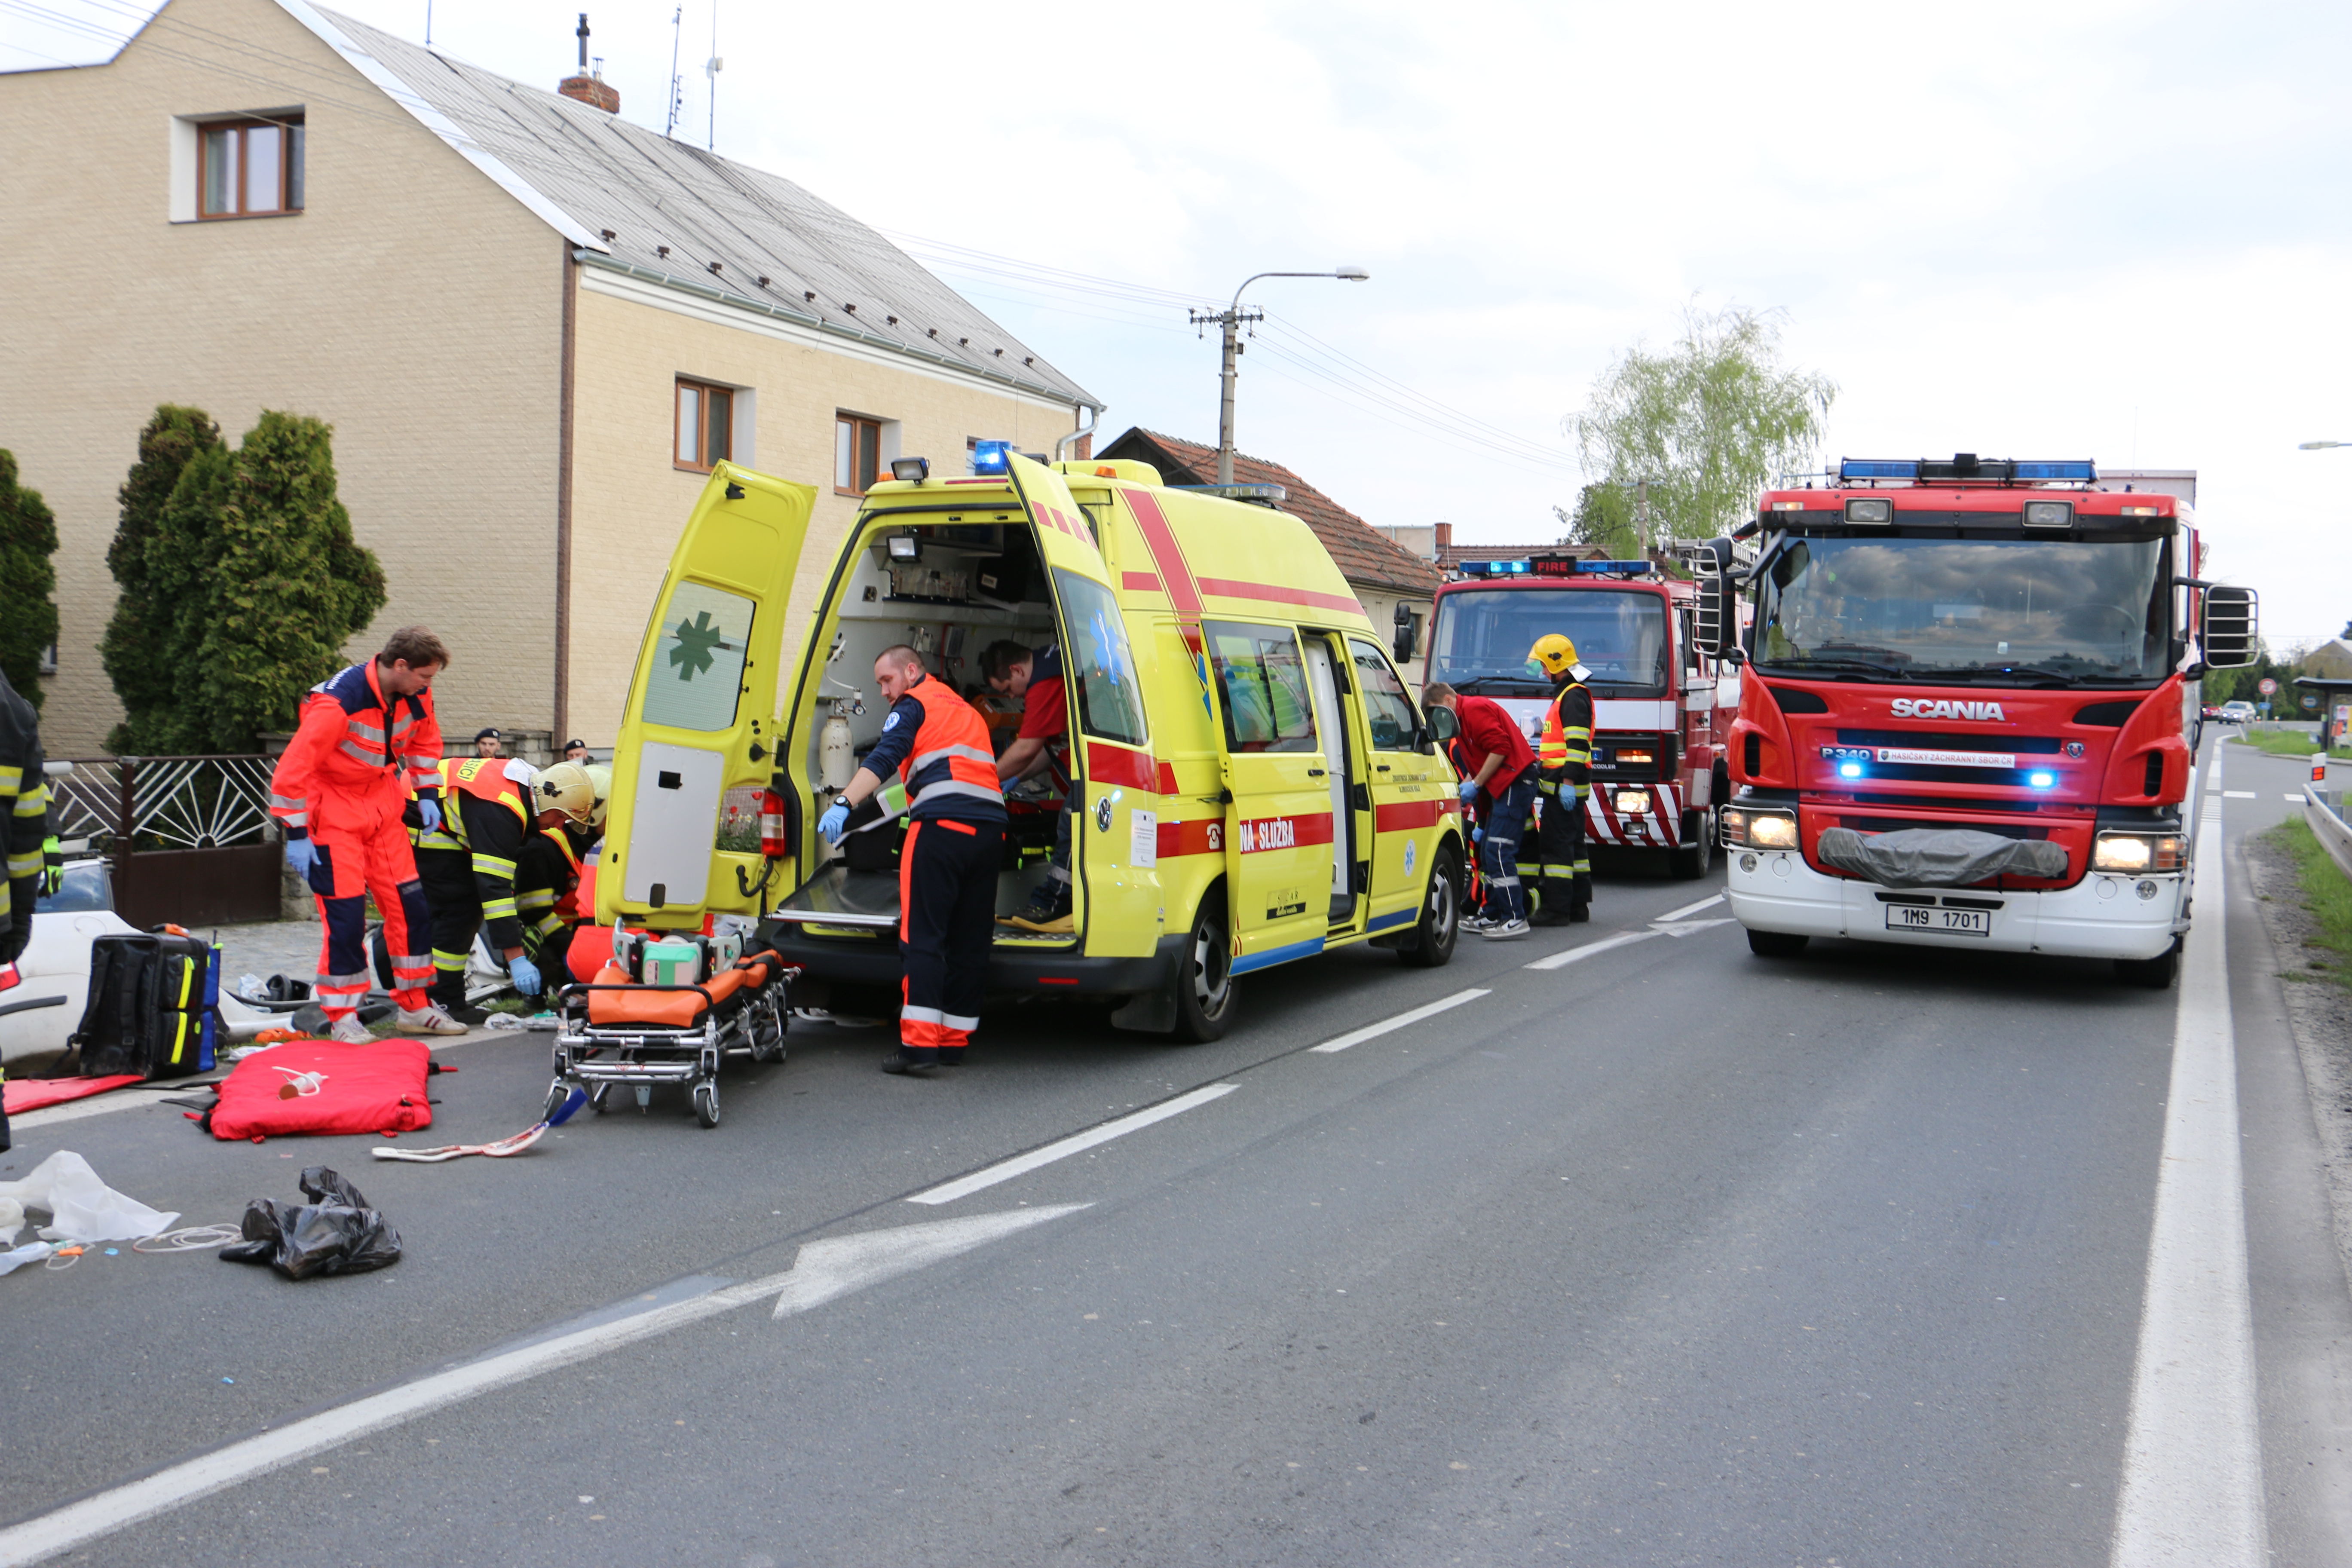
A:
(634, 338)
(413, 306)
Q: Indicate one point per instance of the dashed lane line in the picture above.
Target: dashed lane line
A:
(1374, 1031)
(1691, 909)
(1078, 1143)
(1606, 944)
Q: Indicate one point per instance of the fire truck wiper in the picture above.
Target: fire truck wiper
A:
(1802, 664)
(2022, 674)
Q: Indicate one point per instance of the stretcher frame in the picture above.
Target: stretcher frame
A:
(599, 1056)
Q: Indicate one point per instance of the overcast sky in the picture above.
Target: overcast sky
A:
(2107, 230)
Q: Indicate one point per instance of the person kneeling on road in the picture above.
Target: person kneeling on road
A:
(490, 807)
(548, 872)
(1502, 769)
(947, 874)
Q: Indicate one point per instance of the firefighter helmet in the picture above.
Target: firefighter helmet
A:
(601, 775)
(566, 787)
(1554, 654)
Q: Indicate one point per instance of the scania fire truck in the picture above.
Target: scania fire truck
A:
(1968, 712)
(1657, 746)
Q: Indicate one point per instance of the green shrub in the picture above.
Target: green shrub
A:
(28, 581)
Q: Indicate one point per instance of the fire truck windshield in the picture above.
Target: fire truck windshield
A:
(1482, 638)
(1956, 609)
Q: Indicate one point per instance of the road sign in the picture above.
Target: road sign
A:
(2266, 685)
(2310, 700)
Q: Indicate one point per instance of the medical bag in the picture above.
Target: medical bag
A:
(153, 1005)
(674, 957)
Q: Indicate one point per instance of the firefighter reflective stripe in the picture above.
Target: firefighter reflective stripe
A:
(32, 805)
(537, 899)
(492, 866)
(438, 838)
(498, 909)
(449, 963)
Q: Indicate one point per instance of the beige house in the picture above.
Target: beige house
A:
(533, 326)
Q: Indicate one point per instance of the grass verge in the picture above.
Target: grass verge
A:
(2285, 744)
(2326, 895)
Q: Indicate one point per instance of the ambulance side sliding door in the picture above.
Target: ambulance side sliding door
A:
(1407, 806)
(1279, 827)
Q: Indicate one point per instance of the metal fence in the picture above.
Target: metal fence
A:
(190, 837)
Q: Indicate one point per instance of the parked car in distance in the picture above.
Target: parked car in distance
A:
(2237, 712)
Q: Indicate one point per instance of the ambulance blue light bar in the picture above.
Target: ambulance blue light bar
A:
(991, 457)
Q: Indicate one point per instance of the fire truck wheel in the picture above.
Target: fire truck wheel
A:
(1690, 862)
(1441, 913)
(1205, 978)
(1776, 943)
(2156, 973)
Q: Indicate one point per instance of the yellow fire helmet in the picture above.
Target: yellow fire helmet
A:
(566, 787)
(601, 775)
(1553, 654)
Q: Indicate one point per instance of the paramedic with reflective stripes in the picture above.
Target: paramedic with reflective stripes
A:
(1502, 767)
(365, 744)
(947, 874)
(1563, 778)
(490, 807)
(1042, 746)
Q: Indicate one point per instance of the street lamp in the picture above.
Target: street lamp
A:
(2320, 445)
(1230, 320)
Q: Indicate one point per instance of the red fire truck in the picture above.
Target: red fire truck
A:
(1968, 710)
(1657, 743)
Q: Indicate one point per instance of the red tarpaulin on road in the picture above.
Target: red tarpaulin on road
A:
(34, 1093)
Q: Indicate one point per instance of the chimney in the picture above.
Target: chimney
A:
(589, 87)
(1443, 533)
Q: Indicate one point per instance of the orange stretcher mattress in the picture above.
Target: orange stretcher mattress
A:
(674, 1009)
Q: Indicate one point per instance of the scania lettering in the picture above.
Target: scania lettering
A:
(1970, 711)
(1658, 767)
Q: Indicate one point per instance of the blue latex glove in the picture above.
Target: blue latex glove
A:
(428, 811)
(301, 854)
(835, 824)
(1469, 790)
(1478, 836)
(525, 974)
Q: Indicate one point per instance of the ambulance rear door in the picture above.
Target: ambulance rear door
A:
(1114, 827)
(698, 736)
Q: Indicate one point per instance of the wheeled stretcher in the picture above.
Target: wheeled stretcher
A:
(614, 1031)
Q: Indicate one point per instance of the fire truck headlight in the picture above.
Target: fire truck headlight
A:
(1633, 802)
(2130, 853)
(1771, 830)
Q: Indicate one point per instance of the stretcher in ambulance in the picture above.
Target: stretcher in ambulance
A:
(1252, 783)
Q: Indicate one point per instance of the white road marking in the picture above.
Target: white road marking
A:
(1374, 1031)
(1574, 954)
(2294, 799)
(1078, 1143)
(838, 1266)
(1684, 928)
(1691, 909)
(2239, 794)
(2192, 1481)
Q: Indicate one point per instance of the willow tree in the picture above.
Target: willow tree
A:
(1700, 428)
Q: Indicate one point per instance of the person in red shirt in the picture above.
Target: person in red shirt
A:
(1498, 774)
(1034, 675)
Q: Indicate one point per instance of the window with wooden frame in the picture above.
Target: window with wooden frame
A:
(706, 426)
(856, 454)
(249, 168)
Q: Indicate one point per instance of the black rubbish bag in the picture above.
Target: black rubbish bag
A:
(334, 1233)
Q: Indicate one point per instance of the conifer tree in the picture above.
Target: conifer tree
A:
(28, 581)
(141, 658)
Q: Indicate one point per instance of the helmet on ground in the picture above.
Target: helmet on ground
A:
(566, 787)
(1553, 653)
(601, 775)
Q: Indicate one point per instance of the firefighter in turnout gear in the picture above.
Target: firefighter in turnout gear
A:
(491, 806)
(366, 745)
(947, 874)
(24, 827)
(548, 872)
(1564, 776)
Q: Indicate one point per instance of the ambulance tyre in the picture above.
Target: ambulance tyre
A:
(1776, 943)
(1203, 981)
(1441, 913)
(1690, 862)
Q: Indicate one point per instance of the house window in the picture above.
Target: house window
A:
(706, 424)
(856, 454)
(249, 168)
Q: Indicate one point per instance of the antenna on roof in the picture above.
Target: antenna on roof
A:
(428, 24)
(676, 94)
(710, 138)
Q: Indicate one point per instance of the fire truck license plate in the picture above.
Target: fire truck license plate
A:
(1943, 922)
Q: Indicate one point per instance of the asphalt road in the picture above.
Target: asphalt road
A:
(1665, 1255)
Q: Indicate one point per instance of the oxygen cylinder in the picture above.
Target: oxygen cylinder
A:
(837, 756)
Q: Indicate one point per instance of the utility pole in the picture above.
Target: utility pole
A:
(1229, 323)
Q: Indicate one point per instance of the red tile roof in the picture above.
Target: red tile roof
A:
(1366, 557)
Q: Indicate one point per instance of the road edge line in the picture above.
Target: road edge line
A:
(1374, 1031)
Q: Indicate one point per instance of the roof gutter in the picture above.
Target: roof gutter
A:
(803, 318)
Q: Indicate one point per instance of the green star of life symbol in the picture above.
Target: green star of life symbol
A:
(696, 643)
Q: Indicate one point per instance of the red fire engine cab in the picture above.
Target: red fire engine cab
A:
(1968, 712)
(1658, 768)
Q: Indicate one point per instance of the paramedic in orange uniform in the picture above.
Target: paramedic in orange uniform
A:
(365, 744)
(947, 877)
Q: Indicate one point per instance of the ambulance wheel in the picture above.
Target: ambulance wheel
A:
(1690, 862)
(706, 1104)
(1204, 979)
(1776, 943)
(1441, 913)
(2156, 973)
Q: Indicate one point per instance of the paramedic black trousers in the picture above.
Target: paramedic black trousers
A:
(947, 907)
(454, 900)
(1560, 843)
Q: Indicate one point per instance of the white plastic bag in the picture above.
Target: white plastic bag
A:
(31, 1252)
(12, 1220)
(80, 1206)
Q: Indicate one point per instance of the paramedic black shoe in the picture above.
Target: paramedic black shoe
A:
(349, 1031)
(1548, 916)
(1580, 913)
(429, 1019)
(952, 1056)
(473, 1018)
(1504, 931)
(916, 1063)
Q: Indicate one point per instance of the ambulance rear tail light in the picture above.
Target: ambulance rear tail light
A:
(2130, 854)
(1750, 828)
(775, 836)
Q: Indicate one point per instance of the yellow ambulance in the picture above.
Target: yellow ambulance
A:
(1253, 783)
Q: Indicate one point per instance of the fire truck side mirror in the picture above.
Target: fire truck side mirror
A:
(2231, 632)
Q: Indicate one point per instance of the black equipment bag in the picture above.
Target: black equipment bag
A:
(152, 1007)
(876, 850)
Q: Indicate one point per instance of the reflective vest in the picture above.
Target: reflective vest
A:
(1565, 744)
(950, 756)
(484, 778)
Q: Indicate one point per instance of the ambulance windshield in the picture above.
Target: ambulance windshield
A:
(2056, 610)
(1482, 638)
